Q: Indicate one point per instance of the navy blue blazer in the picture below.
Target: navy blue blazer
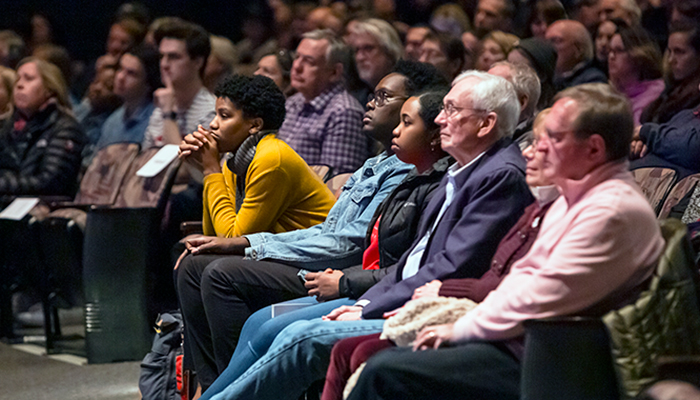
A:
(490, 197)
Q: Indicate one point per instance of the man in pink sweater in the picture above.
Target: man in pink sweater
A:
(596, 250)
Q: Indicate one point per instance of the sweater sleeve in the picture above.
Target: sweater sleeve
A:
(267, 194)
(604, 249)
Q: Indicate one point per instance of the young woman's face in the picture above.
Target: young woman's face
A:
(491, 53)
(229, 127)
(683, 60)
(29, 92)
(606, 30)
(619, 62)
(411, 141)
(268, 66)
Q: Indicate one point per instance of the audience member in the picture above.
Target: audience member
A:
(541, 56)
(258, 36)
(124, 34)
(626, 10)
(450, 19)
(184, 102)
(493, 15)
(444, 52)
(495, 47)
(634, 67)
(12, 49)
(586, 12)
(40, 145)
(221, 62)
(683, 76)
(596, 249)
(239, 197)
(377, 47)
(59, 57)
(323, 122)
(277, 66)
(7, 82)
(457, 236)
(544, 14)
(271, 272)
(604, 33)
(394, 223)
(99, 103)
(527, 88)
(413, 42)
(324, 18)
(348, 354)
(472, 46)
(574, 54)
(676, 142)
(138, 76)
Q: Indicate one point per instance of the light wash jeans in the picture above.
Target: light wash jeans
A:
(298, 356)
(260, 330)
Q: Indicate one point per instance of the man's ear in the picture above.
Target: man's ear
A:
(337, 72)
(524, 100)
(256, 125)
(201, 63)
(597, 151)
(487, 124)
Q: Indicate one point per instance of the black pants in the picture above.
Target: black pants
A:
(217, 294)
(472, 371)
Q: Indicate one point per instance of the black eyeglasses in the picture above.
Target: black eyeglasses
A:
(380, 97)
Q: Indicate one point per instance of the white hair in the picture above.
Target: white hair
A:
(494, 94)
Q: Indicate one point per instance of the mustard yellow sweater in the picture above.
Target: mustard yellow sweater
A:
(282, 194)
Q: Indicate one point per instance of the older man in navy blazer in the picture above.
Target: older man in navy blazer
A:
(479, 199)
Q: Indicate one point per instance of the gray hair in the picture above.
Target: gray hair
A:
(336, 48)
(494, 94)
(384, 33)
(525, 82)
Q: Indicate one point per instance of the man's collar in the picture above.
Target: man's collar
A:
(573, 190)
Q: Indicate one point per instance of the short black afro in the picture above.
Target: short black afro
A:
(421, 77)
(257, 97)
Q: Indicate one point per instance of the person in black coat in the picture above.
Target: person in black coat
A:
(40, 146)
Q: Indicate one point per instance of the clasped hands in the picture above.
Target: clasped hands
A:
(200, 244)
(201, 150)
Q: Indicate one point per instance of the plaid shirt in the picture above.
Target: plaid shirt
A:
(327, 130)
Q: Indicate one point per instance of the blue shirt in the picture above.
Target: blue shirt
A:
(118, 129)
(338, 242)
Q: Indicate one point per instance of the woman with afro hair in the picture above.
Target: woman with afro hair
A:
(263, 185)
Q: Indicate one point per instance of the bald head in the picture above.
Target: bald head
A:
(572, 42)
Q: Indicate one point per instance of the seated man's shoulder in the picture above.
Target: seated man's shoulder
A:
(343, 101)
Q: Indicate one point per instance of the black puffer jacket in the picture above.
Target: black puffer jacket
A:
(44, 157)
(400, 213)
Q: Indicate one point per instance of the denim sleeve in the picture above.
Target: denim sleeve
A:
(340, 243)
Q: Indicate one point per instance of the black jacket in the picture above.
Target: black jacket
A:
(44, 157)
(400, 213)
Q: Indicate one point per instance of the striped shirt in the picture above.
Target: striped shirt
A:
(201, 112)
(327, 130)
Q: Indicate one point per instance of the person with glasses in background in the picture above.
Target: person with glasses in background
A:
(479, 199)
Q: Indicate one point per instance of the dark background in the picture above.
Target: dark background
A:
(81, 26)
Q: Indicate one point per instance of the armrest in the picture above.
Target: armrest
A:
(191, 227)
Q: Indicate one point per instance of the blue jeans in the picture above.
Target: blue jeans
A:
(260, 330)
(298, 356)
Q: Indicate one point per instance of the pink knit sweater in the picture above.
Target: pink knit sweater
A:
(600, 239)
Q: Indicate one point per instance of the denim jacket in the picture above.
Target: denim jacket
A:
(338, 242)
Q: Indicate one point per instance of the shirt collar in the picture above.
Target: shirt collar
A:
(455, 169)
(573, 190)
